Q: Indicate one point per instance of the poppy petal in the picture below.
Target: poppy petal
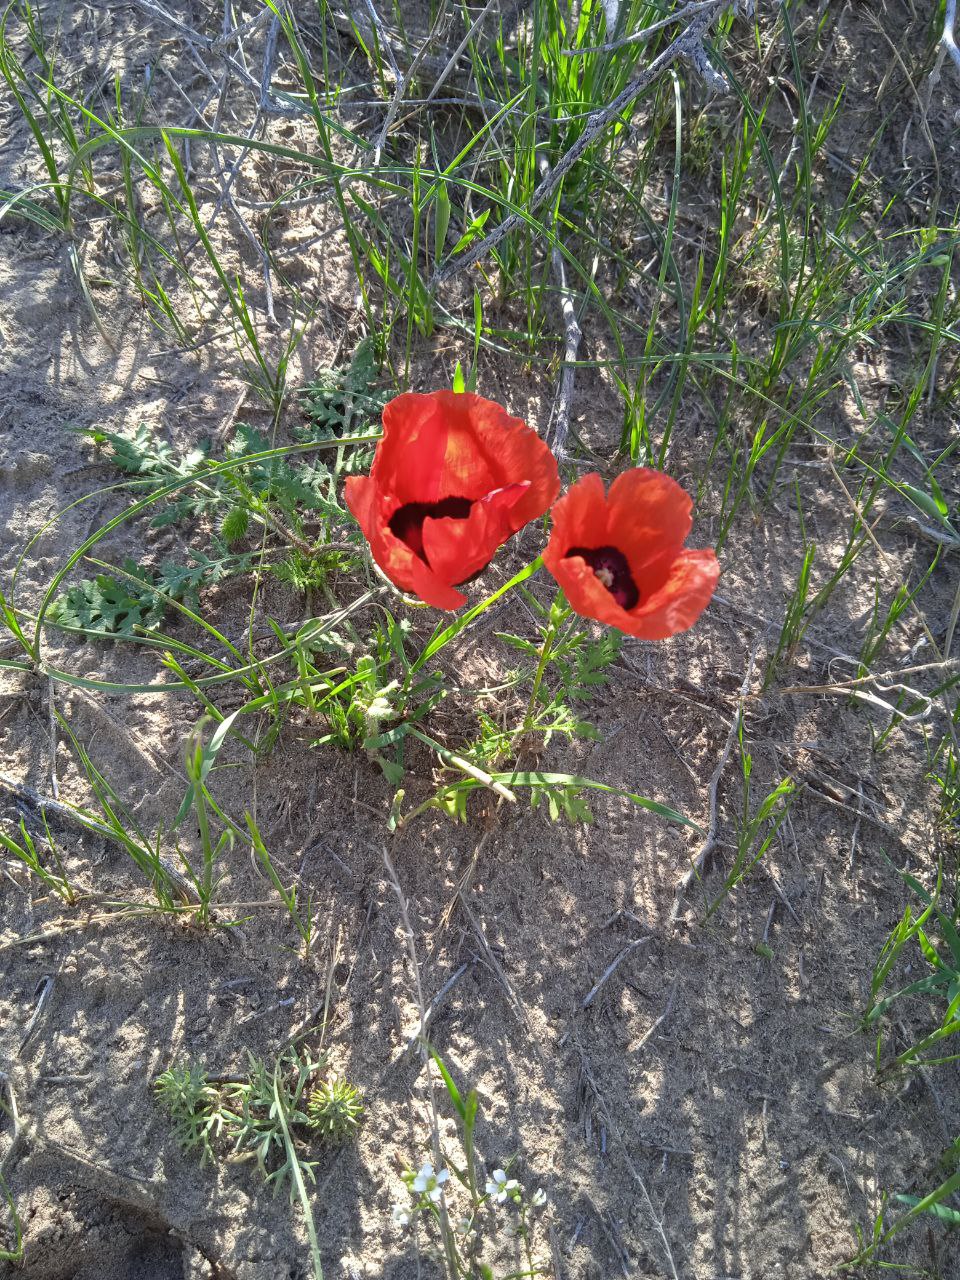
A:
(679, 602)
(360, 495)
(652, 516)
(585, 593)
(457, 549)
(579, 519)
(404, 569)
(515, 451)
(435, 430)
(650, 509)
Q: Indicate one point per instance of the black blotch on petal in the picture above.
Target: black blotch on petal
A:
(406, 523)
(611, 568)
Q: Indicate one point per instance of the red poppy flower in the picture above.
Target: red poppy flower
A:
(619, 556)
(453, 478)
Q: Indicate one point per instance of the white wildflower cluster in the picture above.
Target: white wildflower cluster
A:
(499, 1186)
(427, 1186)
(430, 1184)
(500, 1189)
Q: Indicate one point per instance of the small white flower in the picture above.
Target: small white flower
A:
(539, 1198)
(429, 1183)
(500, 1186)
(401, 1215)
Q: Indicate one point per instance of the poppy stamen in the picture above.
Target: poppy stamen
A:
(612, 571)
(406, 523)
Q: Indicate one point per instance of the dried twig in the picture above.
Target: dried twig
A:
(10, 1107)
(611, 969)
(42, 995)
(560, 426)
(948, 46)
(706, 849)
(432, 1008)
(695, 6)
(408, 935)
(66, 813)
(657, 1023)
(457, 53)
(655, 1218)
(403, 81)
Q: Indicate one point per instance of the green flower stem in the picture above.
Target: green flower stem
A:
(443, 635)
(559, 612)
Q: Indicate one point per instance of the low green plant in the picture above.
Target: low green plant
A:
(928, 932)
(567, 667)
(302, 916)
(335, 1109)
(295, 509)
(267, 1114)
(757, 827)
(25, 851)
(882, 1232)
(14, 1253)
(196, 1108)
(795, 622)
(344, 401)
(132, 600)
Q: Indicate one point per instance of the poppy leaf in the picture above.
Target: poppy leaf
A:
(533, 779)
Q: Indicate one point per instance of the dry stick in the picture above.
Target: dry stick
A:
(393, 881)
(948, 41)
(684, 45)
(131, 913)
(697, 866)
(228, 180)
(384, 41)
(193, 38)
(658, 1023)
(403, 84)
(695, 6)
(20, 791)
(572, 334)
(497, 969)
(464, 880)
(455, 56)
(878, 675)
(885, 561)
(560, 425)
(611, 969)
(432, 1008)
(861, 815)
(634, 1172)
(11, 1109)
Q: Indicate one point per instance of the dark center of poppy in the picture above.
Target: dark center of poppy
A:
(406, 523)
(612, 570)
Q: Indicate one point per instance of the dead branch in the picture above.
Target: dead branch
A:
(706, 849)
